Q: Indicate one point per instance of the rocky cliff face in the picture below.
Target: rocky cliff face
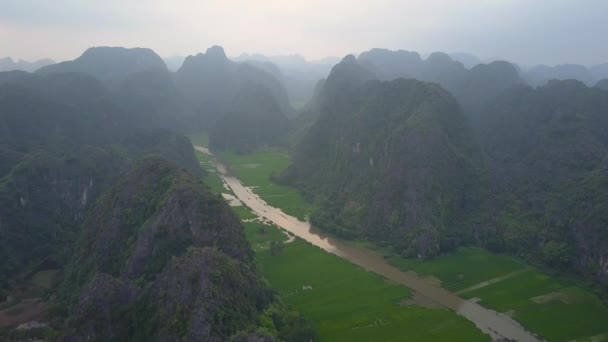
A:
(392, 161)
(162, 258)
(43, 200)
(156, 211)
(63, 143)
(547, 148)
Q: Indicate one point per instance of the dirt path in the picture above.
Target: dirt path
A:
(492, 281)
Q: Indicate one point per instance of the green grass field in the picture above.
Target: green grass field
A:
(255, 170)
(467, 267)
(211, 177)
(347, 303)
(556, 309)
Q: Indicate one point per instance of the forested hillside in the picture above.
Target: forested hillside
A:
(161, 258)
(391, 161)
(497, 164)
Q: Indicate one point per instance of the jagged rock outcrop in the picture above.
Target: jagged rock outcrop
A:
(168, 211)
(161, 258)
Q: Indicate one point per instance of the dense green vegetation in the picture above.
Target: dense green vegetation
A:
(390, 161)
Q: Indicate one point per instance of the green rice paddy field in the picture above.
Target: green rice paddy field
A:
(344, 302)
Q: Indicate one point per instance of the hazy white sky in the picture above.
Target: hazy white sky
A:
(526, 31)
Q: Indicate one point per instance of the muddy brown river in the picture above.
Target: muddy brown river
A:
(495, 324)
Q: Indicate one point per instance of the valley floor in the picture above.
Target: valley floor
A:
(347, 303)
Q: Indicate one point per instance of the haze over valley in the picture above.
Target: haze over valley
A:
(254, 179)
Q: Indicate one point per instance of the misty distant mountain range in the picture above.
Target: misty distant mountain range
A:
(8, 64)
(299, 75)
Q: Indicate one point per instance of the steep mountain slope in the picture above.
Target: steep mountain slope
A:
(44, 198)
(396, 162)
(544, 147)
(63, 143)
(162, 258)
(391, 161)
(137, 81)
(577, 217)
(233, 100)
